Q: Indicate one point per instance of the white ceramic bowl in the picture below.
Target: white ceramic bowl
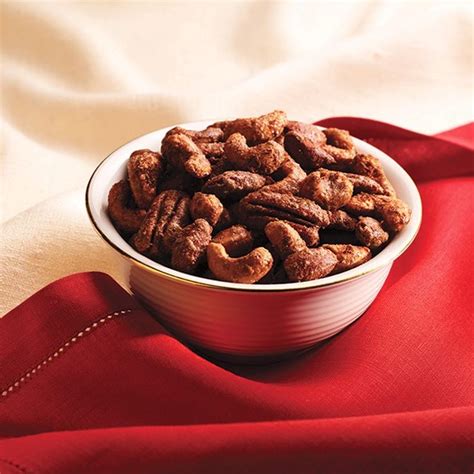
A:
(245, 322)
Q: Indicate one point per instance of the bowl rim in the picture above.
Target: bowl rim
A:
(381, 260)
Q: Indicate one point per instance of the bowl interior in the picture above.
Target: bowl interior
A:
(113, 169)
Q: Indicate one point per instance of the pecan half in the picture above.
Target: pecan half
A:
(304, 142)
(259, 208)
(234, 184)
(189, 248)
(168, 214)
(285, 207)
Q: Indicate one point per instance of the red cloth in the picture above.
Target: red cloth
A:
(392, 393)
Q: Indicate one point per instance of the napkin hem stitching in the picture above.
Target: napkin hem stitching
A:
(60, 350)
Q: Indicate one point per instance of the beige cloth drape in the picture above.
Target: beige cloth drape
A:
(79, 79)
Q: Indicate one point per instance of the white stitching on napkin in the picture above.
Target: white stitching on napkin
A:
(28, 375)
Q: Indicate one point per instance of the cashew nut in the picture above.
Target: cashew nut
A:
(284, 238)
(264, 158)
(247, 269)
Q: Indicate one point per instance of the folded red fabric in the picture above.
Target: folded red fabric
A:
(90, 382)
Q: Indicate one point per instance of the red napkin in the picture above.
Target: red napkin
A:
(90, 382)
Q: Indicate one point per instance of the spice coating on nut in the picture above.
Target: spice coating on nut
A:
(369, 232)
(256, 130)
(126, 218)
(368, 165)
(237, 240)
(190, 247)
(144, 168)
(310, 264)
(330, 189)
(168, 213)
(348, 256)
(284, 238)
(183, 153)
(264, 158)
(249, 268)
(206, 206)
(234, 184)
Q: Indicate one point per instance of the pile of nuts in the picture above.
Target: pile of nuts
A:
(263, 199)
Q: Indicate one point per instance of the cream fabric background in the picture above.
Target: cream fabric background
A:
(80, 79)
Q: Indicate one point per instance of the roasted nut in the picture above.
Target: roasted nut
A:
(234, 184)
(370, 166)
(184, 154)
(308, 130)
(285, 186)
(212, 150)
(284, 207)
(259, 208)
(256, 130)
(309, 264)
(237, 240)
(144, 167)
(339, 145)
(189, 248)
(290, 169)
(361, 204)
(288, 177)
(394, 212)
(348, 256)
(284, 238)
(330, 189)
(304, 143)
(309, 233)
(209, 135)
(206, 206)
(264, 158)
(364, 184)
(168, 214)
(341, 220)
(369, 232)
(249, 268)
(124, 215)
